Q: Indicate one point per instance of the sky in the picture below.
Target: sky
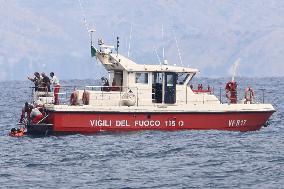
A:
(211, 35)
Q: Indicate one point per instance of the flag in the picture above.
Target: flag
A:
(93, 51)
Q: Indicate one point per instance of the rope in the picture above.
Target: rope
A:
(42, 119)
(157, 55)
(179, 54)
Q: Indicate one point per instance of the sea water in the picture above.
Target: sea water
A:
(146, 159)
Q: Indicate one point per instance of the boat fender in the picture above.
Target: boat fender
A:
(86, 97)
(74, 98)
(249, 95)
(128, 98)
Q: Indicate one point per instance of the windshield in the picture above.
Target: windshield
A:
(182, 77)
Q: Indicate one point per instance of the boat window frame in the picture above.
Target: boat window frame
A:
(189, 79)
(184, 80)
(145, 80)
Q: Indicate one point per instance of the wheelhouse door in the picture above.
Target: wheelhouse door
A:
(170, 88)
(157, 87)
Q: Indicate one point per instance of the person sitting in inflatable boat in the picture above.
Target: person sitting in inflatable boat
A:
(17, 132)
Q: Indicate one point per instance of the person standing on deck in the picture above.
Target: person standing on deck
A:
(45, 82)
(37, 81)
(56, 87)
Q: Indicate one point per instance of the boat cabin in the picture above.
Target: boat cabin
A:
(147, 84)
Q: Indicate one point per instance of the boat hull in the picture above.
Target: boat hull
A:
(91, 122)
(39, 129)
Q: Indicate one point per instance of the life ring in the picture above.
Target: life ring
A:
(86, 98)
(74, 98)
(249, 95)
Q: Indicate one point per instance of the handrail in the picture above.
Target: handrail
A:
(259, 95)
(66, 91)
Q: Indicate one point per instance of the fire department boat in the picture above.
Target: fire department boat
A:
(146, 97)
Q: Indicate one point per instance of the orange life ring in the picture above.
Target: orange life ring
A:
(86, 98)
(74, 98)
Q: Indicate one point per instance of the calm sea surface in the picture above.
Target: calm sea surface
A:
(151, 159)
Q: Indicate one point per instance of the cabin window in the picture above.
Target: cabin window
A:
(170, 80)
(117, 78)
(141, 77)
(181, 78)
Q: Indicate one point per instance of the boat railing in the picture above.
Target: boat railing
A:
(131, 96)
(117, 95)
(100, 95)
(208, 91)
(258, 96)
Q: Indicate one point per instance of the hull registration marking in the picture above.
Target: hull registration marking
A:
(237, 122)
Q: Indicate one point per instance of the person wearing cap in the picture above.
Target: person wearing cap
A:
(56, 87)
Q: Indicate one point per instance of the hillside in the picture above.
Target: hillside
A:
(51, 35)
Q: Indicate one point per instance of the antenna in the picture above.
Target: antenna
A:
(235, 66)
(117, 45)
(91, 35)
(164, 60)
(179, 54)
(130, 36)
(157, 55)
(163, 42)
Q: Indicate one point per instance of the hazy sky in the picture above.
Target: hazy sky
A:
(212, 34)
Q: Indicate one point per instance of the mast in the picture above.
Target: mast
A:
(130, 36)
(164, 60)
(163, 42)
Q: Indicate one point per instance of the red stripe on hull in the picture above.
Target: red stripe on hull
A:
(90, 122)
